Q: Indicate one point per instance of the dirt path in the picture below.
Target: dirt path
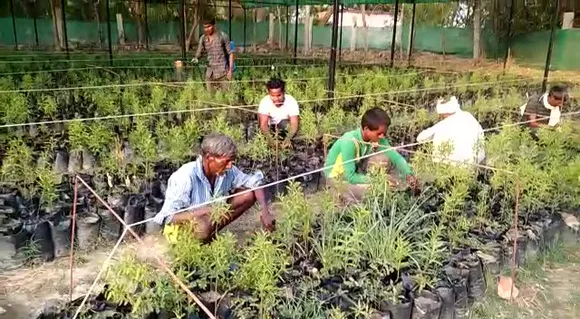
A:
(549, 288)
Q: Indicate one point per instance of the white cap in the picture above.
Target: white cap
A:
(450, 107)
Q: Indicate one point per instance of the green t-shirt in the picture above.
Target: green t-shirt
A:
(345, 149)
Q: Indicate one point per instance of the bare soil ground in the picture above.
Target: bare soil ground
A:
(27, 292)
(549, 288)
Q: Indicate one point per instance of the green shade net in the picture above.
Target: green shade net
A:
(270, 3)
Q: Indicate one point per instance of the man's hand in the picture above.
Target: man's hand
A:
(268, 220)
(194, 61)
(230, 74)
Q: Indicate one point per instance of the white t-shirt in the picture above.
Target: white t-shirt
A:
(278, 114)
(462, 133)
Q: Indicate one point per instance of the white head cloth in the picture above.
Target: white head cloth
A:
(450, 107)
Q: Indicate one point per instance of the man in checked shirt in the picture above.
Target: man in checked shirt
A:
(220, 57)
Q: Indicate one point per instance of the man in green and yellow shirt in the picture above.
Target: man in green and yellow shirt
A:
(344, 156)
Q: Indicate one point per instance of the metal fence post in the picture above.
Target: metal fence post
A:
(11, 3)
(182, 29)
(412, 34)
(109, 40)
(296, 33)
(509, 35)
(394, 37)
(34, 16)
(340, 36)
(230, 19)
(555, 19)
(287, 25)
(146, 25)
(62, 6)
(245, 27)
(332, 60)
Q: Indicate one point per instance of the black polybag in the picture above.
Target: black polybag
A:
(426, 306)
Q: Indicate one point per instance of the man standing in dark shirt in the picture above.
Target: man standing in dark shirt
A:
(220, 57)
(545, 109)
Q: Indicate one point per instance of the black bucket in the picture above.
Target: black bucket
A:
(61, 232)
(135, 212)
(88, 226)
(42, 239)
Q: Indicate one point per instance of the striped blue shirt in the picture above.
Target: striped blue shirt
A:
(188, 186)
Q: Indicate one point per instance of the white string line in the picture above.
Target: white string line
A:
(105, 58)
(163, 67)
(223, 198)
(110, 117)
(409, 91)
(244, 107)
(118, 85)
(101, 272)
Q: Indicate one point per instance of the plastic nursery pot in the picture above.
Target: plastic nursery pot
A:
(60, 165)
(75, 161)
(401, 310)
(110, 226)
(447, 295)
(459, 278)
(135, 212)
(61, 232)
(426, 306)
(491, 257)
(151, 227)
(88, 230)
(520, 252)
(20, 236)
(476, 283)
(42, 238)
(88, 161)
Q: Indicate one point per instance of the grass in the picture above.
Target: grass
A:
(549, 287)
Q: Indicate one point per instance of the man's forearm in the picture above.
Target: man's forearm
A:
(231, 62)
(293, 131)
(261, 198)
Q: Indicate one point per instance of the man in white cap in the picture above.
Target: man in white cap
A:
(457, 138)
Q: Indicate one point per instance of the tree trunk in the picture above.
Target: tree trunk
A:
(57, 25)
(326, 17)
(366, 29)
(140, 17)
(271, 30)
(120, 29)
(193, 32)
(307, 29)
(254, 25)
(353, 35)
(476, 29)
(399, 35)
(281, 44)
(98, 22)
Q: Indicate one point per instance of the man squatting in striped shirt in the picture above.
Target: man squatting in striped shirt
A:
(211, 176)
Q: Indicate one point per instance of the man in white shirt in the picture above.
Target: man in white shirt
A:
(278, 112)
(458, 138)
